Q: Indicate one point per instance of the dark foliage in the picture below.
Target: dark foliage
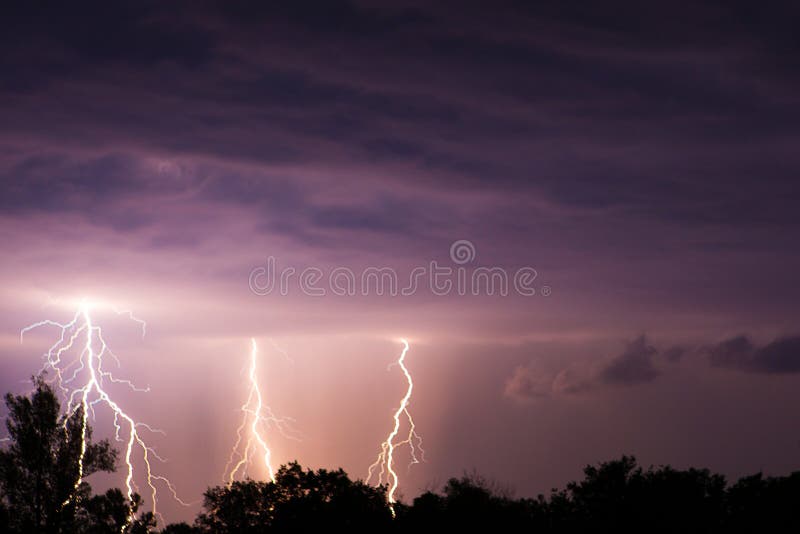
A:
(298, 501)
(39, 468)
(619, 496)
(616, 496)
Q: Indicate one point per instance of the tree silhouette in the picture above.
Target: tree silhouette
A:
(298, 501)
(763, 504)
(110, 512)
(180, 528)
(40, 467)
(469, 503)
(619, 495)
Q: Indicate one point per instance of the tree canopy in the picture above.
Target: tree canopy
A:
(39, 470)
(298, 501)
(615, 496)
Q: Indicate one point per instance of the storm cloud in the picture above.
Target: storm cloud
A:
(641, 158)
(781, 356)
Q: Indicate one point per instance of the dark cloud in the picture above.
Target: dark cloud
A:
(535, 381)
(98, 31)
(778, 357)
(735, 352)
(94, 187)
(601, 122)
(633, 366)
(53, 181)
(381, 215)
(637, 365)
(583, 107)
(674, 354)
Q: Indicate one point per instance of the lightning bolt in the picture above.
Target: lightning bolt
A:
(87, 338)
(384, 463)
(256, 415)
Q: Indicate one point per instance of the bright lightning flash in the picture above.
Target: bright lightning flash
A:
(86, 338)
(256, 415)
(383, 467)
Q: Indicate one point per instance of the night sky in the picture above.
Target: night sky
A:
(641, 157)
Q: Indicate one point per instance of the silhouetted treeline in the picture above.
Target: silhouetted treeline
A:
(38, 470)
(615, 496)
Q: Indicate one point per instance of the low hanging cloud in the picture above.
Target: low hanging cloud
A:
(635, 365)
(532, 382)
(526, 384)
(674, 354)
(638, 364)
(781, 356)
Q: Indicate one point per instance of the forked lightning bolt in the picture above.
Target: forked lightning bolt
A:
(385, 463)
(256, 416)
(90, 348)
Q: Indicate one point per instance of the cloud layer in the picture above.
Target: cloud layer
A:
(641, 158)
(779, 356)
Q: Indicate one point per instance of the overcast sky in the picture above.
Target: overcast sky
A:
(642, 159)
